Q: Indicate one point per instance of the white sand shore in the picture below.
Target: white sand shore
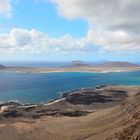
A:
(69, 69)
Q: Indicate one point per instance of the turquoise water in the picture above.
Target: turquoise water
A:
(37, 88)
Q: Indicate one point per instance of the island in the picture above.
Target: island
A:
(78, 66)
(2, 66)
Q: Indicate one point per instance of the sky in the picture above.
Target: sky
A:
(66, 30)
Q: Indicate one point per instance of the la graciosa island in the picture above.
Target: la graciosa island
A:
(69, 70)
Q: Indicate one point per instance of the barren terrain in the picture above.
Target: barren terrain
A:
(115, 119)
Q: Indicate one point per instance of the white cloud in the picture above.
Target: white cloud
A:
(113, 24)
(36, 42)
(113, 27)
(116, 41)
(112, 14)
(5, 7)
(22, 41)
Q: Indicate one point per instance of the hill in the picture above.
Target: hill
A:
(131, 121)
(2, 66)
(79, 63)
(117, 64)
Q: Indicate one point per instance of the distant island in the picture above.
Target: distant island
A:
(78, 66)
(118, 64)
(2, 66)
(78, 63)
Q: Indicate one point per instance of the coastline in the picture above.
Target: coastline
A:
(98, 89)
(69, 69)
(128, 88)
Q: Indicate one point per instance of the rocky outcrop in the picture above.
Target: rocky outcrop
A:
(35, 112)
(90, 96)
(10, 103)
(65, 106)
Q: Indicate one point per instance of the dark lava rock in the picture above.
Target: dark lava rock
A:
(74, 113)
(118, 91)
(97, 95)
(78, 98)
(12, 114)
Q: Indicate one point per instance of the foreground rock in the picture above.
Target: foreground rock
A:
(73, 104)
(112, 113)
(90, 96)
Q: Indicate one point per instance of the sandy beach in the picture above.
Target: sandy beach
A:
(88, 69)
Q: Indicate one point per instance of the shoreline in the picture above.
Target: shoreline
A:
(69, 69)
(132, 88)
(61, 98)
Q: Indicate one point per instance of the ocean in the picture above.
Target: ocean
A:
(40, 88)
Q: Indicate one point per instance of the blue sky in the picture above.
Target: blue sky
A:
(66, 30)
(41, 15)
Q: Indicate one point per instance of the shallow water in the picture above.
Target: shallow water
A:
(36, 88)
